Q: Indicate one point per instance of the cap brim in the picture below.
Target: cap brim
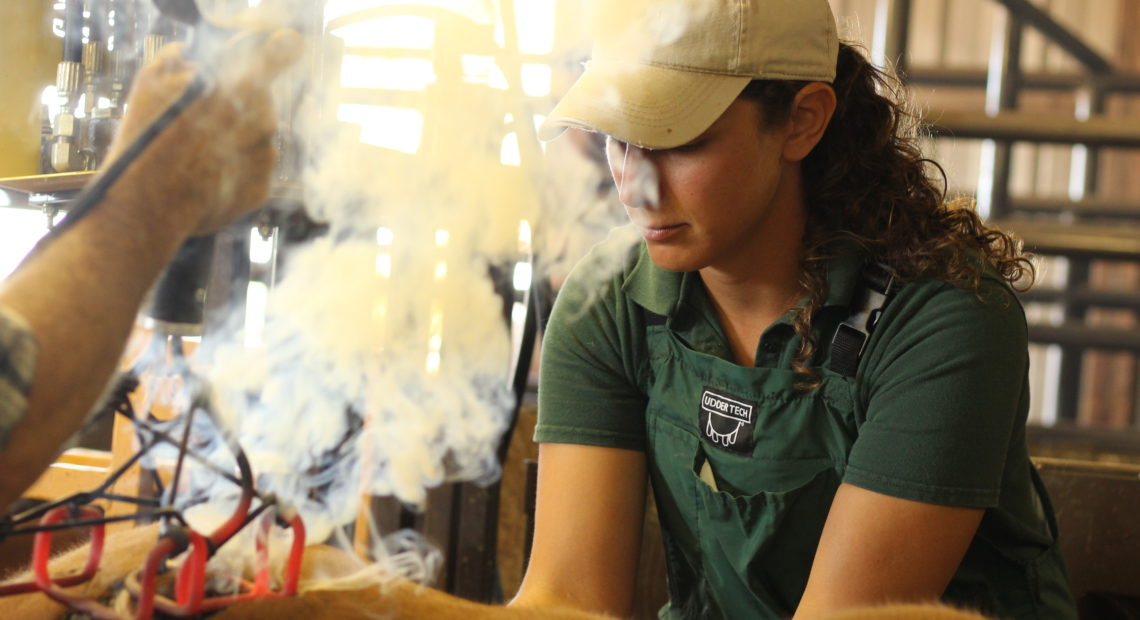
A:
(646, 105)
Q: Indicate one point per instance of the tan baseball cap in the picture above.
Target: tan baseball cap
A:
(662, 71)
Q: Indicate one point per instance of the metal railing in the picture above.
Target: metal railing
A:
(1084, 230)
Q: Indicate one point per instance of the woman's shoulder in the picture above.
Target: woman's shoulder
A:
(936, 318)
(990, 295)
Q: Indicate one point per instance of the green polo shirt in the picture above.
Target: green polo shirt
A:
(942, 397)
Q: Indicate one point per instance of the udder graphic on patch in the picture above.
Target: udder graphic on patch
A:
(727, 420)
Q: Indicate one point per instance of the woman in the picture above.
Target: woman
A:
(818, 364)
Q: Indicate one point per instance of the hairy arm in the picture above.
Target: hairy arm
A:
(587, 536)
(80, 294)
(877, 549)
(79, 297)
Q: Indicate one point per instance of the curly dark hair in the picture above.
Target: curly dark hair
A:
(868, 181)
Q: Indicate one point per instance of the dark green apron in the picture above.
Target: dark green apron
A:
(744, 547)
(744, 469)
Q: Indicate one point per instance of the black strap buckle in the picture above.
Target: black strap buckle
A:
(852, 335)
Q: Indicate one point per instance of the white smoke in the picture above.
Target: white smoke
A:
(383, 368)
(385, 355)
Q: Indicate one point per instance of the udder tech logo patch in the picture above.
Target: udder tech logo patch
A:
(726, 420)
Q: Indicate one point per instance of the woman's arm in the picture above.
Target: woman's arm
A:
(946, 398)
(591, 502)
(877, 549)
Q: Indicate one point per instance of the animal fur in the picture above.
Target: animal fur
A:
(337, 586)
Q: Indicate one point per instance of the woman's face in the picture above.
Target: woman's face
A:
(708, 203)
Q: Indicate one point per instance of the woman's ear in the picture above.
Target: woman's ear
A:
(811, 112)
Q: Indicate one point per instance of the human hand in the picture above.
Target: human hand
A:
(211, 164)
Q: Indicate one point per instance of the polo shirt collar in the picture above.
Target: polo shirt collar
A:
(654, 288)
(663, 292)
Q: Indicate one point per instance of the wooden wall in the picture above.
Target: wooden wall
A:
(28, 57)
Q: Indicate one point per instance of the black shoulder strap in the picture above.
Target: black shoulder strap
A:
(852, 335)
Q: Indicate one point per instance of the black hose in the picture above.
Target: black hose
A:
(73, 31)
(179, 296)
(97, 23)
(185, 11)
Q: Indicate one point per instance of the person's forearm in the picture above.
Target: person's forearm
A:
(80, 296)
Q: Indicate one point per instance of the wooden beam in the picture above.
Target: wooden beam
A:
(1121, 242)
(75, 470)
(1034, 127)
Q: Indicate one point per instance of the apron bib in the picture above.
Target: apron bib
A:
(744, 469)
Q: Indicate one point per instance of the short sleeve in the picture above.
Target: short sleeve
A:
(945, 387)
(588, 388)
(17, 365)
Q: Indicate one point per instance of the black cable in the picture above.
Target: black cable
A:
(66, 525)
(73, 31)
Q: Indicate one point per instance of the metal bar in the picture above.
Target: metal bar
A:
(1001, 95)
(1082, 182)
(1001, 171)
(98, 23)
(892, 32)
(1088, 208)
(1083, 296)
(1116, 83)
(1086, 158)
(1076, 240)
(73, 31)
(1074, 338)
(1018, 126)
(1031, 15)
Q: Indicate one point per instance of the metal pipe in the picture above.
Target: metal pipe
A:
(1117, 83)
(97, 26)
(1080, 337)
(1080, 209)
(1030, 127)
(1083, 241)
(1083, 296)
(891, 35)
(1025, 11)
(1001, 95)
